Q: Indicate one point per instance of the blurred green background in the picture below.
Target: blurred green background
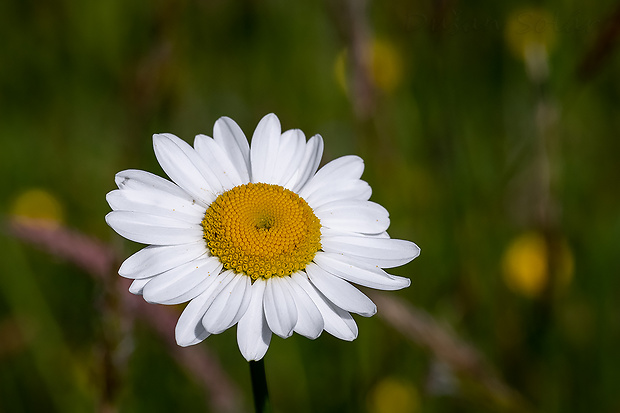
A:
(489, 131)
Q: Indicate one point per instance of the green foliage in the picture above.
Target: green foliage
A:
(471, 138)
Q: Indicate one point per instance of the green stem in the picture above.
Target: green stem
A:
(259, 387)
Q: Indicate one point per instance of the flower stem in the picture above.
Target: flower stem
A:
(259, 387)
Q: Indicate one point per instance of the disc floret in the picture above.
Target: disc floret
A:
(262, 230)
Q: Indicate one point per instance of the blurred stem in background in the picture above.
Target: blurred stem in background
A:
(540, 170)
(50, 352)
(222, 395)
(489, 161)
(119, 311)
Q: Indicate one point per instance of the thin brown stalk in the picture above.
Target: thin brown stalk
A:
(100, 261)
(423, 330)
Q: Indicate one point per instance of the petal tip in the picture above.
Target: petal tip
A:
(416, 251)
(158, 137)
(108, 218)
(252, 357)
(372, 311)
(405, 282)
(349, 337)
(182, 343)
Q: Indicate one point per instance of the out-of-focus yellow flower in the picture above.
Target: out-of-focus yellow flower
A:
(383, 62)
(340, 70)
(525, 264)
(391, 395)
(530, 28)
(531, 35)
(386, 65)
(40, 205)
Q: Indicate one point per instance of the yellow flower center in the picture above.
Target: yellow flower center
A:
(262, 230)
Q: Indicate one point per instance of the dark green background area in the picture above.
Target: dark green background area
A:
(466, 148)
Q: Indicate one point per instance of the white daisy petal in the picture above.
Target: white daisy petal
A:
(155, 203)
(185, 167)
(359, 274)
(182, 283)
(147, 182)
(196, 336)
(280, 309)
(327, 219)
(308, 165)
(264, 148)
(309, 319)
(230, 304)
(253, 333)
(189, 329)
(345, 168)
(339, 190)
(340, 292)
(355, 216)
(137, 286)
(151, 229)
(330, 232)
(385, 252)
(154, 260)
(229, 136)
(290, 154)
(337, 322)
(219, 162)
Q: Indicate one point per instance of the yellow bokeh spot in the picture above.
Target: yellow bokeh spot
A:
(382, 60)
(525, 264)
(386, 65)
(37, 205)
(340, 70)
(262, 230)
(530, 29)
(391, 395)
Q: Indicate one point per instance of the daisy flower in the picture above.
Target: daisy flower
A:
(253, 235)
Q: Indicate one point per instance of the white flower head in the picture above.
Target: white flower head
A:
(255, 236)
